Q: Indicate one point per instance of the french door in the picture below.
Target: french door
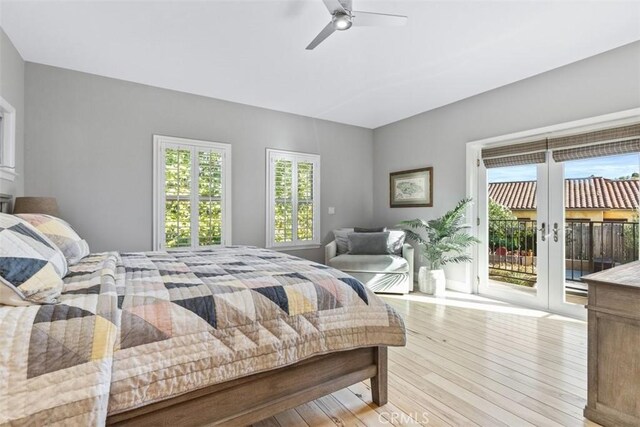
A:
(544, 225)
(567, 293)
(514, 253)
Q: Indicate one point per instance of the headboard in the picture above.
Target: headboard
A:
(5, 201)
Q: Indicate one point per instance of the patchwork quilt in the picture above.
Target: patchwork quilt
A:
(55, 360)
(135, 328)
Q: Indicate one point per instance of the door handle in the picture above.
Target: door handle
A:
(555, 232)
(543, 237)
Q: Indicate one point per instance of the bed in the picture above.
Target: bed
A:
(226, 336)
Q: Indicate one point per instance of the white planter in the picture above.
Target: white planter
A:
(439, 282)
(423, 281)
(432, 282)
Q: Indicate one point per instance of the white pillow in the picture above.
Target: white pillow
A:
(396, 241)
(31, 265)
(341, 236)
(59, 232)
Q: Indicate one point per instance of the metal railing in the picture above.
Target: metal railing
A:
(513, 251)
(590, 246)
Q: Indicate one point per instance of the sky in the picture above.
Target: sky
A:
(608, 167)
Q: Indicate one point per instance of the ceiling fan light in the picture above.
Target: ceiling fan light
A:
(341, 21)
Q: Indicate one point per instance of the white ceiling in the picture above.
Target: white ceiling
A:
(253, 52)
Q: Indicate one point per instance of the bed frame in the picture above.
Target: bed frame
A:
(250, 399)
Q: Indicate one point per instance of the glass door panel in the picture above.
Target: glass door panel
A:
(515, 233)
(594, 203)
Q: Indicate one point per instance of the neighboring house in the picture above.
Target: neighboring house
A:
(593, 199)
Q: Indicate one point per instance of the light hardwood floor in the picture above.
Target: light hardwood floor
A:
(468, 361)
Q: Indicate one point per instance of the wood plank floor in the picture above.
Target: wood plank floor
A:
(469, 361)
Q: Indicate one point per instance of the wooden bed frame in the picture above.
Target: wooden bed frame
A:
(246, 400)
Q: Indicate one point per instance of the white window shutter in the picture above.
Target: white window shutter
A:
(293, 199)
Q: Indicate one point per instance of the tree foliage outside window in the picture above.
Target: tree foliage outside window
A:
(506, 231)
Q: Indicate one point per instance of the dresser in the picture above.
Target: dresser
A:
(614, 346)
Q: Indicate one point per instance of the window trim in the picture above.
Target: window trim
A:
(271, 156)
(160, 143)
(8, 141)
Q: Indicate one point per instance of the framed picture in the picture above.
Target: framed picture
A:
(411, 189)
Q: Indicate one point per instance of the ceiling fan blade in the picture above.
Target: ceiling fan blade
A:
(334, 6)
(369, 19)
(326, 32)
(347, 4)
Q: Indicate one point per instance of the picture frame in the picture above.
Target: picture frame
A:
(411, 188)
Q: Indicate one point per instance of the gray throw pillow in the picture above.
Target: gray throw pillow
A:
(396, 241)
(341, 236)
(369, 230)
(368, 243)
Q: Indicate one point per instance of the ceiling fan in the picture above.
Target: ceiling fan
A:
(344, 17)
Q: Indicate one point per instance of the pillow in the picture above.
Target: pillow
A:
(369, 230)
(31, 266)
(59, 232)
(368, 243)
(396, 241)
(341, 237)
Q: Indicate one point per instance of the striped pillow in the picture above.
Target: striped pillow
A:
(60, 232)
(31, 266)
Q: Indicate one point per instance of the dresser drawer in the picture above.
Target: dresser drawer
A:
(621, 299)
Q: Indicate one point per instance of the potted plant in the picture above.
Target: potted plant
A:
(445, 242)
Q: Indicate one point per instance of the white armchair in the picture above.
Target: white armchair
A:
(380, 273)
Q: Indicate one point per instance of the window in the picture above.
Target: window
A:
(7, 140)
(293, 199)
(192, 193)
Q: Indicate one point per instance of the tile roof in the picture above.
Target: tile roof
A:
(580, 193)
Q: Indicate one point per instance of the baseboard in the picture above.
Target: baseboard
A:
(458, 286)
(453, 285)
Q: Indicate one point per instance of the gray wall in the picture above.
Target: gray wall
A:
(12, 90)
(598, 85)
(89, 143)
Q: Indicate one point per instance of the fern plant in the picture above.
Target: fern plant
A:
(446, 240)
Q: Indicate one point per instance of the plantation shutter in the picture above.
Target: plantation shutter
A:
(293, 212)
(192, 193)
(526, 153)
(177, 197)
(283, 203)
(210, 203)
(607, 142)
(305, 201)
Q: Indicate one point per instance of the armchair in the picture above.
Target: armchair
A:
(380, 273)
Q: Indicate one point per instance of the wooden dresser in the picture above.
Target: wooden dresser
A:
(614, 346)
